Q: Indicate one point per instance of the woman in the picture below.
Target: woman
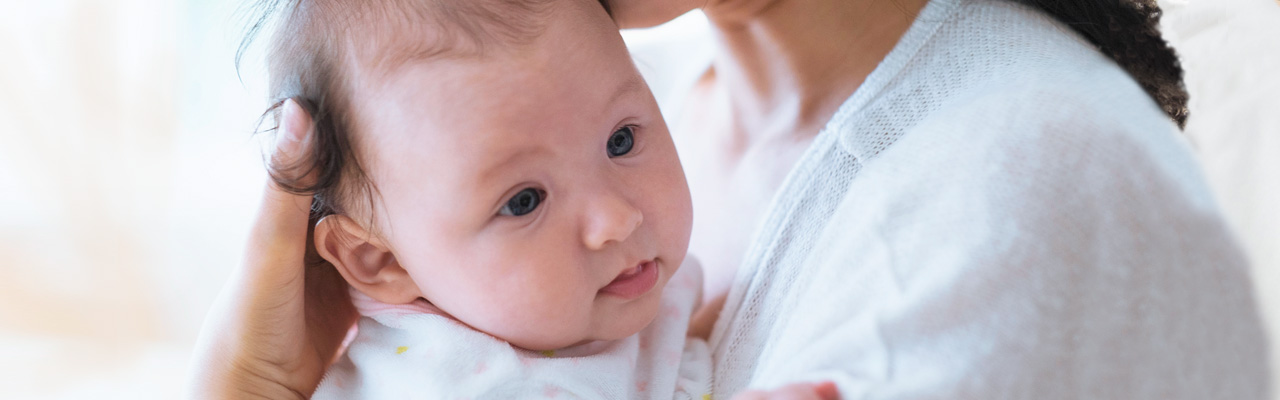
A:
(984, 199)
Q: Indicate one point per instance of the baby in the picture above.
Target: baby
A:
(502, 195)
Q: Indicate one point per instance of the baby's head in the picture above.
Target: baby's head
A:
(502, 159)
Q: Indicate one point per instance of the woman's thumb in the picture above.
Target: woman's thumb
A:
(294, 124)
(283, 204)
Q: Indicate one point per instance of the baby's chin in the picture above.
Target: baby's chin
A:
(618, 324)
(610, 325)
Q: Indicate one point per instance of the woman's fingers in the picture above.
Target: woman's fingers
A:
(278, 242)
(276, 272)
(281, 208)
(263, 337)
(827, 391)
(796, 391)
(314, 305)
(274, 259)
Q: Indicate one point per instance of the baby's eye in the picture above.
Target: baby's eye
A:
(522, 203)
(621, 141)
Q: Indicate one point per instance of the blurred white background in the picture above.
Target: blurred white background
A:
(129, 175)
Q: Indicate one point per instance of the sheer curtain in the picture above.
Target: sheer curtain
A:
(128, 176)
(127, 180)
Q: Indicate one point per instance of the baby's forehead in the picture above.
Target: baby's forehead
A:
(568, 57)
(383, 34)
(477, 34)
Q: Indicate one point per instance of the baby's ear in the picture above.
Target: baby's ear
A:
(364, 261)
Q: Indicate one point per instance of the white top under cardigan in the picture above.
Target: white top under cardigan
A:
(998, 212)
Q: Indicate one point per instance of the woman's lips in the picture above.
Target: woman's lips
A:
(634, 282)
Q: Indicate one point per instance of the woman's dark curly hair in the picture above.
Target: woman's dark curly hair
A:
(1128, 31)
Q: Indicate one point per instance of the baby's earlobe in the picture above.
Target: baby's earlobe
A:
(363, 260)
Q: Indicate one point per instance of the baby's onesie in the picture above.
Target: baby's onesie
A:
(416, 351)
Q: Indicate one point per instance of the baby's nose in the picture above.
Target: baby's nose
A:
(610, 218)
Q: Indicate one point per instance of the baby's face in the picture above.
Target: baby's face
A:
(534, 195)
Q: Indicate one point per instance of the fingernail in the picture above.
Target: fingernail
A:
(827, 390)
(292, 119)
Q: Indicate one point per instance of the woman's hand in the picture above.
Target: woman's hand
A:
(795, 391)
(278, 323)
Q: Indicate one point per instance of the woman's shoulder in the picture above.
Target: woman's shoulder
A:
(994, 68)
(998, 80)
(1004, 107)
(1034, 146)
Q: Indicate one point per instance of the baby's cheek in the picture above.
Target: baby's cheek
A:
(541, 321)
(676, 199)
(538, 291)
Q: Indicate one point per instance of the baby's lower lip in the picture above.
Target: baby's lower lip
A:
(633, 284)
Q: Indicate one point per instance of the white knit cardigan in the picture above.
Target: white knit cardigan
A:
(998, 212)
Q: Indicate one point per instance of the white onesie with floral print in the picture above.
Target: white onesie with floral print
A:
(416, 351)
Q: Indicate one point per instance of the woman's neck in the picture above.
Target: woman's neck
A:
(787, 65)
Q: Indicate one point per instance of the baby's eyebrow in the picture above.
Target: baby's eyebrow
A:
(489, 171)
(631, 85)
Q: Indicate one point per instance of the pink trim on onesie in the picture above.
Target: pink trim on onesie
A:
(369, 307)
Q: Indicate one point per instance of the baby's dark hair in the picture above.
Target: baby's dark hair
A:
(311, 52)
(315, 39)
(1128, 31)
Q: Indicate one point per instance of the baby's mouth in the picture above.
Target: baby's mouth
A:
(634, 282)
